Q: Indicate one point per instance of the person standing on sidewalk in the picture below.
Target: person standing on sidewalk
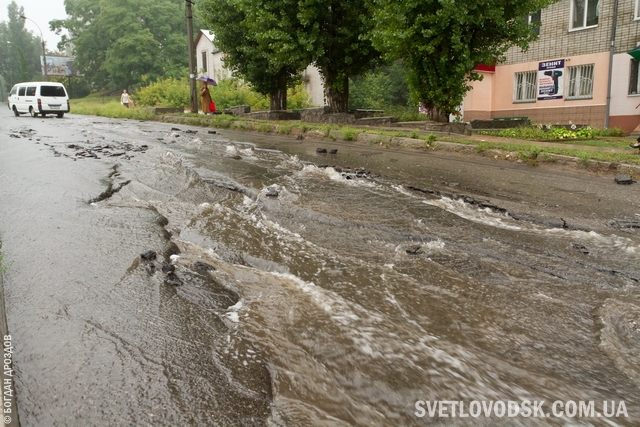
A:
(205, 96)
(124, 98)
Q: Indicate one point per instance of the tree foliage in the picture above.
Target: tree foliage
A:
(380, 88)
(270, 42)
(442, 41)
(20, 50)
(122, 43)
(259, 39)
(337, 34)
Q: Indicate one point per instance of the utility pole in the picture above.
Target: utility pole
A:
(192, 62)
(614, 23)
(44, 52)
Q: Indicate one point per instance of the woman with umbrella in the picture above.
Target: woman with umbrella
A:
(205, 96)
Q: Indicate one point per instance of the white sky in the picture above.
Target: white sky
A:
(41, 11)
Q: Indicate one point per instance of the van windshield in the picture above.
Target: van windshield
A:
(52, 91)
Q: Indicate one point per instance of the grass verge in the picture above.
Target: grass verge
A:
(530, 153)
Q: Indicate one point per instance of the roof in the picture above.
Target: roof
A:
(208, 34)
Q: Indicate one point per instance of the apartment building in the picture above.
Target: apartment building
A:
(579, 70)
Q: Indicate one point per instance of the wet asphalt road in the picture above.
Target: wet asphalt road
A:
(103, 338)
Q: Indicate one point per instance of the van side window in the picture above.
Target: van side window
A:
(31, 91)
(14, 90)
(21, 91)
(52, 91)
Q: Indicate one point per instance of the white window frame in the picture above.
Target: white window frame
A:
(584, 17)
(526, 90)
(580, 77)
(636, 14)
(634, 87)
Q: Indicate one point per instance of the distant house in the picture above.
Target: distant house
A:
(209, 62)
(567, 74)
(209, 57)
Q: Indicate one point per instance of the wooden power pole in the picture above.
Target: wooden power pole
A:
(192, 62)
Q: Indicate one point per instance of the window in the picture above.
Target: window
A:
(637, 13)
(580, 82)
(52, 91)
(524, 86)
(204, 61)
(21, 91)
(634, 81)
(14, 91)
(31, 91)
(584, 13)
(534, 18)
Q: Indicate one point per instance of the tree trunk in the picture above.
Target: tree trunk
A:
(437, 116)
(278, 99)
(337, 92)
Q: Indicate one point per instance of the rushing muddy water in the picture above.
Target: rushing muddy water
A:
(304, 295)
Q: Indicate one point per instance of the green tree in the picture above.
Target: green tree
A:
(337, 35)
(20, 50)
(442, 41)
(269, 43)
(380, 88)
(259, 39)
(122, 43)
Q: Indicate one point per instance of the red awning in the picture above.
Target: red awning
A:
(488, 68)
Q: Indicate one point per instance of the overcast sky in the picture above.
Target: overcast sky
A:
(41, 11)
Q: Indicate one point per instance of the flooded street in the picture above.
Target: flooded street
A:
(291, 288)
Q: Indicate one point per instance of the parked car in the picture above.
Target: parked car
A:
(39, 98)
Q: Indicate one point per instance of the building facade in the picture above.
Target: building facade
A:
(569, 72)
(209, 62)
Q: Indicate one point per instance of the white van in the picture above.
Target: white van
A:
(39, 98)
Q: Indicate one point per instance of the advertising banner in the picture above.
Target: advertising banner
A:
(59, 66)
(550, 79)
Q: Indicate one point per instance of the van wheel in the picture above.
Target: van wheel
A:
(33, 112)
(60, 115)
(15, 111)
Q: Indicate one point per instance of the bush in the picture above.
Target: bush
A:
(530, 132)
(229, 93)
(298, 98)
(165, 93)
(616, 132)
(560, 133)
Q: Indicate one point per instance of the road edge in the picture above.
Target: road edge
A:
(386, 141)
(9, 399)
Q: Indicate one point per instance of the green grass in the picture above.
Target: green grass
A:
(263, 127)
(4, 267)
(109, 107)
(349, 134)
(531, 153)
(555, 133)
